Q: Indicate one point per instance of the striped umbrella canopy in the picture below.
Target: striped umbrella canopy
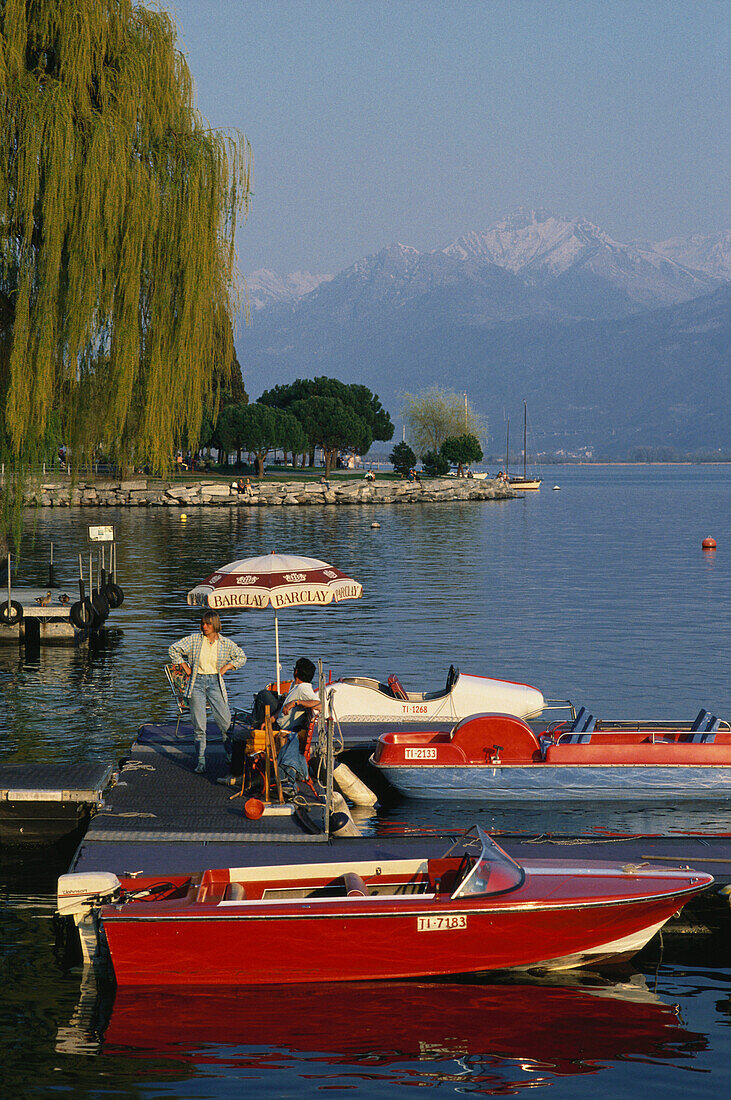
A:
(276, 580)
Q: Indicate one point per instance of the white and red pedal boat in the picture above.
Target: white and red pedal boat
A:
(359, 699)
(473, 910)
(500, 757)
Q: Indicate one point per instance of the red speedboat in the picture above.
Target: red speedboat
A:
(475, 909)
(499, 756)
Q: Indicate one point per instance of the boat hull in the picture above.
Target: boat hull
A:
(232, 944)
(360, 699)
(560, 782)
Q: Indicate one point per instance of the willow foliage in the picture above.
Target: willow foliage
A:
(435, 414)
(118, 208)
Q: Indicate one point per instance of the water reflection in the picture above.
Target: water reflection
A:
(488, 1035)
(571, 818)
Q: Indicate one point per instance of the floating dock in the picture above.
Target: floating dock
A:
(160, 815)
(42, 804)
(156, 816)
(162, 818)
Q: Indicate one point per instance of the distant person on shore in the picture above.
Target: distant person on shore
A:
(369, 476)
(206, 658)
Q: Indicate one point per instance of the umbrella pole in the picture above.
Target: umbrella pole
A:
(276, 646)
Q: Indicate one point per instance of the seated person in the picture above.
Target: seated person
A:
(290, 714)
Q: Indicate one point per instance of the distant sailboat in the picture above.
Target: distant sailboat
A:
(524, 483)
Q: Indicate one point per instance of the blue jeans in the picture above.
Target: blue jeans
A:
(207, 689)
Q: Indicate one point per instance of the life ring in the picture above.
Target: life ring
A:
(11, 613)
(82, 614)
(114, 594)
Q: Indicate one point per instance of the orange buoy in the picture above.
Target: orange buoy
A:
(709, 543)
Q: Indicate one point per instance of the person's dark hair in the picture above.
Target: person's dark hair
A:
(305, 670)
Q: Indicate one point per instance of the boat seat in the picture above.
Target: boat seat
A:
(703, 730)
(583, 722)
(234, 892)
(397, 689)
(580, 730)
(705, 722)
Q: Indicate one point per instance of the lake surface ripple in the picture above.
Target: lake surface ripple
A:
(599, 593)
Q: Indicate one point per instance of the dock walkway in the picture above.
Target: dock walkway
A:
(161, 815)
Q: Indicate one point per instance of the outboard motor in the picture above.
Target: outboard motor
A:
(80, 897)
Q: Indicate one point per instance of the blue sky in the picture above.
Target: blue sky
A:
(416, 121)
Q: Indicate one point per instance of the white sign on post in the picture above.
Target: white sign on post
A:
(102, 534)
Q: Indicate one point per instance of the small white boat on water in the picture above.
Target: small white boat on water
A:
(524, 483)
(364, 699)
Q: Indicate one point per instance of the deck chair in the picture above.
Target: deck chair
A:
(178, 682)
(291, 756)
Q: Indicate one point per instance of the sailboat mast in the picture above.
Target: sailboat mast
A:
(507, 452)
(525, 439)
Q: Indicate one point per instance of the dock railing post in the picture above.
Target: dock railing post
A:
(324, 725)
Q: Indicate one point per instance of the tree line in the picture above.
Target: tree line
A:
(297, 418)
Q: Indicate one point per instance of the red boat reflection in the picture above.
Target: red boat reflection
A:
(567, 1030)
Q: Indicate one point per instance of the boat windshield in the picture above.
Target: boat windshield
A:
(485, 868)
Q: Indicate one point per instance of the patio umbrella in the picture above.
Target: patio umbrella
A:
(279, 580)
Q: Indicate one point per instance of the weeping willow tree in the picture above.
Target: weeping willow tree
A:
(118, 208)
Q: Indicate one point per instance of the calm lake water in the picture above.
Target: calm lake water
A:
(599, 593)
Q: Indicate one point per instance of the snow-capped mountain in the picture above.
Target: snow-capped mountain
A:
(534, 263)
(635, 336)
(265, 287)
(546, 249)
(710, 254)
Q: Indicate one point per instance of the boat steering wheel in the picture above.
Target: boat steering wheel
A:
(452, 677)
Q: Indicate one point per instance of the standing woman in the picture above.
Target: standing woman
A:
(206, 657)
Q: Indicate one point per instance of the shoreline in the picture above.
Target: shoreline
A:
(150, 493)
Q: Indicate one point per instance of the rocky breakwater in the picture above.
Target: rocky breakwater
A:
(152, 493)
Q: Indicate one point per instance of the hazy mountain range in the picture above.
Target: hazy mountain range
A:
(613, 345)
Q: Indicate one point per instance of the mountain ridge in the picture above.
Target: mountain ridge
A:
(579, 316)
(543, 246)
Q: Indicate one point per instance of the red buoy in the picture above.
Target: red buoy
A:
(709, 543)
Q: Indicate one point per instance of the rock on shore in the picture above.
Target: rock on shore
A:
(152, 493)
